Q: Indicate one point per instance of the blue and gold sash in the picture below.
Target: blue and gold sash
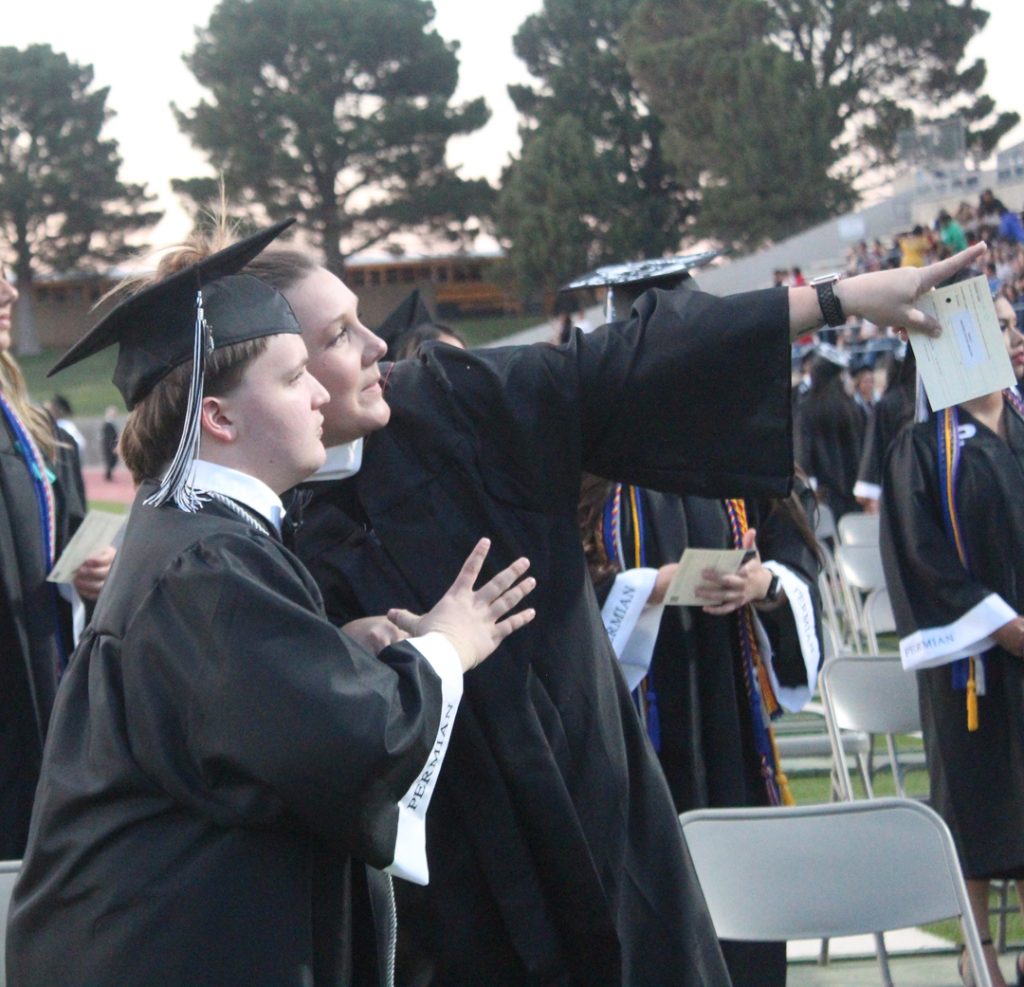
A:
(764, 704)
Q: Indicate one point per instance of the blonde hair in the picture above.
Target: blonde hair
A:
(38, 422)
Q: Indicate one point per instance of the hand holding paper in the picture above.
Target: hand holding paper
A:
(96, 533)
(969, 359)
(682, 591)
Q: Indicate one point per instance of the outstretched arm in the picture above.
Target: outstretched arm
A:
(887, 298)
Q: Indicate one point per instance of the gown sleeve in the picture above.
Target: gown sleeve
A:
(691, 394)
(246, 705)
(942, 612)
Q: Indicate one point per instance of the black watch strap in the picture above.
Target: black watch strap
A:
(774, 589)
(830, 307)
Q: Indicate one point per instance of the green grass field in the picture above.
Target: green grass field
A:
(86, 385)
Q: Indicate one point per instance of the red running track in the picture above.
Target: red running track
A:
(118, 490)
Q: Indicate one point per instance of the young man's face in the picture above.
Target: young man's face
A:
(276, 415)
(343, 356)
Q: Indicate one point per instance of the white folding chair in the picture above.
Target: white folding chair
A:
(860, 572)
(835, 604)
(8, 874)
(872, 694)
(856, 528)
(822, 871)
(825, 525)
(861, 566)
(878, 618)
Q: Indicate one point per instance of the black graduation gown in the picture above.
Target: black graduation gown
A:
(707, 748)
(977, 779)
(217, 752)
(831, 428)
(893, 412)
(553, 844)
(35, 630)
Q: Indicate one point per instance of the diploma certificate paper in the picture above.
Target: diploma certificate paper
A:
(682, 591)
(969, 359)
(94, 534)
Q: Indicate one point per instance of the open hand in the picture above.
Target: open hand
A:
(889, 298)
(472, 619)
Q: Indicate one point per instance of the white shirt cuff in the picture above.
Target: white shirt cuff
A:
(970, 635)
(410, 860)
(867, 491)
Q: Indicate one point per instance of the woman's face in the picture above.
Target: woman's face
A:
(1011, 336)
(8, 296)
(343, 356)
(276, 415)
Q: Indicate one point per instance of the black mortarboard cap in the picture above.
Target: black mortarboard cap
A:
(410, 313)
(832, 354)
(626, 282)
(860, 362)
(204, 307)
(155, 328)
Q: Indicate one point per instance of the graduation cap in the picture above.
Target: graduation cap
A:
(410, 313)
(861, 362)
(204, 307)
(626, 282)
(832, 354)
(887, 344)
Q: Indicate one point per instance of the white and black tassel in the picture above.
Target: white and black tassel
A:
(176, 484)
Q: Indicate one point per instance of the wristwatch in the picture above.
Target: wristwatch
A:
(831, 310)
(774, 590)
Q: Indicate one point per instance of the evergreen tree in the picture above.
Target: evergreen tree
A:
(572, 48)
(546, 207)
(62, 204)
(335, 111)
(814, 91)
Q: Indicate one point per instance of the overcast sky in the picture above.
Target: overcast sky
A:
(135, 48)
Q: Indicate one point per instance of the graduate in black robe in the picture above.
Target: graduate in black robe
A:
(219, 753)
(35, 630)
(951, 606)
(830, 433)
(554, 846)
(40, 491)
(893, 412)
(695, 697)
